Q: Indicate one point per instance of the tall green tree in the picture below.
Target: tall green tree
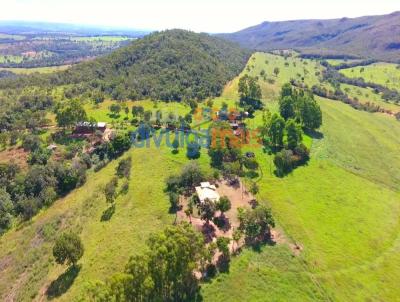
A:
(68, 249)
(70, 113)
(249, 89)
(276, 130)
(293, 133)
(287, 107)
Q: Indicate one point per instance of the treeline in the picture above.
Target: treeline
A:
(348, 65)
(173, 65)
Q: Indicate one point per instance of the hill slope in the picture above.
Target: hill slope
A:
(377, 37)
(169, 65)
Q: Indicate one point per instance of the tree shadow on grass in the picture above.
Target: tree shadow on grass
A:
(61, 285)
(314, 134)
(108, 213)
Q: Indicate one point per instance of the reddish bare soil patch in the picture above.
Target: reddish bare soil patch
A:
(240, 198)
(14, 155)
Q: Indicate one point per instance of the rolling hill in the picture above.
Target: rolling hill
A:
(170, 65)
(374, 37)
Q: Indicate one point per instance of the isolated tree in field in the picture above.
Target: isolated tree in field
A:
(175, 145)
(68, 114)
(193, 150)
(207, 210)
(110, 191)
(223, 205)
(276, 130)
(115, 109)
(293, 133)
(137, 111)
(68, 249)
(276, 71)
(124, 167)
(256, 224)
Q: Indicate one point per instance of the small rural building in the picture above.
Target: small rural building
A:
(52, 147)
(207, 191)
(87, 127)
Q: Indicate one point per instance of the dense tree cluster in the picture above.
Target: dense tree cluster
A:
(190, 176)
(255, 224)
(23, 193)
(300, 106)
(283, 133)
(164, 273)
(171, 65)
(250, 94)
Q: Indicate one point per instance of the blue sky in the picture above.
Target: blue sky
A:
(199, 15)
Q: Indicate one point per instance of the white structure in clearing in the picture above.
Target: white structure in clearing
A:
(207, 191)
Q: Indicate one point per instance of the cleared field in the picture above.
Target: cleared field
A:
(342, 208)
(263, 66)
(367, 95)
(50, 69)
(102, 113)
(386, 74)
(337, 62)
(101, 38)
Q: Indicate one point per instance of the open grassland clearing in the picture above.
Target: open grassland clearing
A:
(49, 69)
(101, 39)
(386, 74)
(342, 208)
(337, 62)
(367, 95)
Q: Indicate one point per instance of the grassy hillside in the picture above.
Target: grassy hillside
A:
(371, 36)
(342, 208)
(381, 73)
(38, 69)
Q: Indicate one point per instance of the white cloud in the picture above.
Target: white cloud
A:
(197, 15)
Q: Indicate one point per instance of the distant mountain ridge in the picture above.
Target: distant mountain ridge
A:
(48, 28)
(376, 37)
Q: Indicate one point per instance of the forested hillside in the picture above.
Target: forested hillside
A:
(376, 37)
(169, 65)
